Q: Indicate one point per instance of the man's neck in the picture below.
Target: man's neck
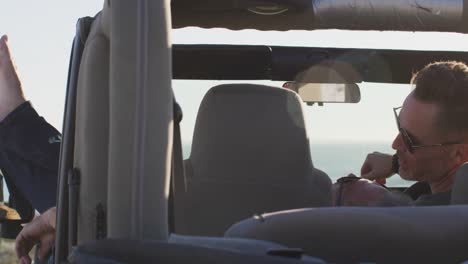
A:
(445, 183)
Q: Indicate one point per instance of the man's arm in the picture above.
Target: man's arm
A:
(29, 155)
(29, 146)
(363, 192)
(24, 133)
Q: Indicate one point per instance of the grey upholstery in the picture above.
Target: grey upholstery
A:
(240, 245)
(460, 186)
(120, 251)
(92, 129)
(121, 151)
(432, 234)
(244, 245)
(250, 154)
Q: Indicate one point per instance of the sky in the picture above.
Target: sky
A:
(40, 37)
(41, 34)
(369, 121)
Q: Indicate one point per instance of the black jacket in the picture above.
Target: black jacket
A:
(29, 157)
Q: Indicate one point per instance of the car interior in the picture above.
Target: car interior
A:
(249, 191)
(240, 156)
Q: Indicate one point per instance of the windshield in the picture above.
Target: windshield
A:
(341, 135)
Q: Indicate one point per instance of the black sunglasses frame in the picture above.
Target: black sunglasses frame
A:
(410, 146)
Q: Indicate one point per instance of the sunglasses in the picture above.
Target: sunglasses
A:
(408, 142)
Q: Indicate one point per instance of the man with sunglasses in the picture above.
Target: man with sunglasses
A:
(432, 142)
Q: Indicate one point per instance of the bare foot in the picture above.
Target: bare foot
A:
(11, 94)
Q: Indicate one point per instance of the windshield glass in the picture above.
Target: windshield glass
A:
(341, 135)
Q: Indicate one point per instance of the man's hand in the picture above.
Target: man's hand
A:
(40, 230)
(359, 192)
(363, 192)
(377, 166)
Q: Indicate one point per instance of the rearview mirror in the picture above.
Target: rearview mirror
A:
(326, 92)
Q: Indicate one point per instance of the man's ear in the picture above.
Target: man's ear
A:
(461, 154)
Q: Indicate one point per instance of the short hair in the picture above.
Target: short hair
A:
(445, 83)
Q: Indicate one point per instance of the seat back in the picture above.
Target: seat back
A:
(460, 186)
(92, 129)
(250, 154)
(147, 251)
(422, 234)
(122, 152)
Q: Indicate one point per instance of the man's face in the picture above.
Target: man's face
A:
(429, 164)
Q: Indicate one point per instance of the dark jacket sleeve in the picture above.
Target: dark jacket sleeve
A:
(29, 156)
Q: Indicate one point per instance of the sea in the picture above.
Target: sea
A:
(341, 159)
(335, 159)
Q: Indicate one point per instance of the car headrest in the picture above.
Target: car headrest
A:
(460, 186)
(238, 126)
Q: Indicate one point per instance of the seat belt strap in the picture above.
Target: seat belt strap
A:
(177, 181)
